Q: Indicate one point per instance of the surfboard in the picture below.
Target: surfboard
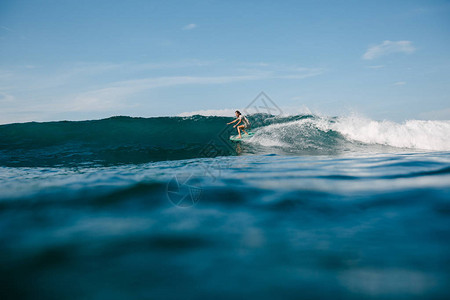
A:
(235, 138)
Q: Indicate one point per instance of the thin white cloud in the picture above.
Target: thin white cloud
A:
(6, 98)
(400, 83)
(190, 26)
(93, 68)
(78, 93)
(112, 96)
(376, 67)
(281, 71)
(226, 112)
(83, 73)
(115, 94)
(388, 47)
(302, 75)
(229, 112)
(7, 28)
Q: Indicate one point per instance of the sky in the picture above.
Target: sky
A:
(78, 60)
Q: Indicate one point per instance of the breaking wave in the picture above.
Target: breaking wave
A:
(127, 140)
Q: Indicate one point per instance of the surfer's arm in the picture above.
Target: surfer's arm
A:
(240, 120)
(232, 122)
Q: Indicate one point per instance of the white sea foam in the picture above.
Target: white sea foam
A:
(418, 134)
(312, 133)
(299, 134)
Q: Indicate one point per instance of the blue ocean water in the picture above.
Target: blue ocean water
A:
(309, 207)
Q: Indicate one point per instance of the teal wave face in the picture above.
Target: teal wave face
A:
(116, 140)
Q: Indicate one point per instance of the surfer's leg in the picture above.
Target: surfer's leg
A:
(239, 130)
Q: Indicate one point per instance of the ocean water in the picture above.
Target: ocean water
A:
(310, 207)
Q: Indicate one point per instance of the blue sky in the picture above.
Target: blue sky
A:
(77, 60)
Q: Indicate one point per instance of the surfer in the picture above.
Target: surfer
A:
(240, 118)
